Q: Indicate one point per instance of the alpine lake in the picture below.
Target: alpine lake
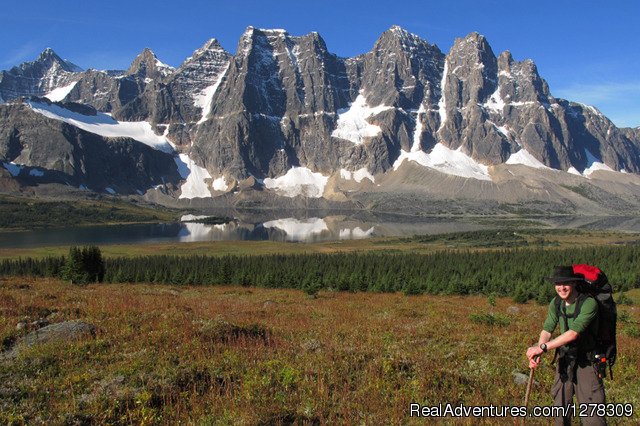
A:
(303, 227)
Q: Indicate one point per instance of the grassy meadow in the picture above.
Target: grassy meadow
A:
(236, 355)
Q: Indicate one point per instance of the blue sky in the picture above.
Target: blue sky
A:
(586, 49)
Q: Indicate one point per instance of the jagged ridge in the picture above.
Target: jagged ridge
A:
(284, 102)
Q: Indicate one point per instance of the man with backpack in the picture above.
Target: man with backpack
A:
(582, 348)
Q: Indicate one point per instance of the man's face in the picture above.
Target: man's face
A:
(564, 290)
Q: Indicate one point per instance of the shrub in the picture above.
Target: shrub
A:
(491, 299)
(632, 330)
(490, 319)
(624, 316)
(623, 299)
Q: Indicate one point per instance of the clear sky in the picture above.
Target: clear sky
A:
(588, 50)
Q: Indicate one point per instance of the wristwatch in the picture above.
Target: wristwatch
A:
(543, 347)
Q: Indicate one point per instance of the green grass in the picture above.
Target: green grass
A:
(490, 319)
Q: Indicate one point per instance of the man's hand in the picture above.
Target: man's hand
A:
(534, 353)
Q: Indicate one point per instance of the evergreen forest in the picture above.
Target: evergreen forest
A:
(514, 272)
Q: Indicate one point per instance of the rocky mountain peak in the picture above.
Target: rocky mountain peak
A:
(258, 36)
(472, 70)
(211, 49)
(474, 48)
(212, 45)
(49, 59)
(402, 69)
(147, 65)
(398, 40)
(505, 62)
(47, 54)
(38, 77)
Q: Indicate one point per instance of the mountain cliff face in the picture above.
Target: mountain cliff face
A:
(284, 114)
(37, 78)
(38, 148)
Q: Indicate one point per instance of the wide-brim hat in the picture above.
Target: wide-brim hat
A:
(564, 274)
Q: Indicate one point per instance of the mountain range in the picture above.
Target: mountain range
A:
(284, 122)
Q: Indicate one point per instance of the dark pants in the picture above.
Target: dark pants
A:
(587, 387)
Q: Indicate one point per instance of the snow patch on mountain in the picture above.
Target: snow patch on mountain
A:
(442, 104)
(525, 158)
(352, 122)
(298, 230)
(298, 181)
(593, 164)
(447, 161)
(60, 93)
(495, 102)
(164, 69)
(358, 175)
(417, 134)
(204, 99)
(505, 131)
(196, 178)
(220, 184)
(574, 171)
(104, 125)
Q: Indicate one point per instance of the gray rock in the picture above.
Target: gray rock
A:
(311, 345)
(39, 323)
(521, 379)
(513, 310)
(61, 332)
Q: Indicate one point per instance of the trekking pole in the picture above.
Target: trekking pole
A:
(526, 395)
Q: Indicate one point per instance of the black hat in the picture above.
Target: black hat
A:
(564, 274)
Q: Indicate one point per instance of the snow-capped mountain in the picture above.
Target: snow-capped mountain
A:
(48, 74)
(285, 116)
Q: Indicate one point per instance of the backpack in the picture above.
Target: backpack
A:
(597, 285)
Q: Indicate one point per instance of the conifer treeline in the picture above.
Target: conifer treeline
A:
(515, 272)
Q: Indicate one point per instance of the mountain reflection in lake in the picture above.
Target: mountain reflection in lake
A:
(289, 229)
(292, 229)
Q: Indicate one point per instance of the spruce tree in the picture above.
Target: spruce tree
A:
(73, 268)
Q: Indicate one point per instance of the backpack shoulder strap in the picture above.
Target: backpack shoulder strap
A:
(579, 301)
(557, 302)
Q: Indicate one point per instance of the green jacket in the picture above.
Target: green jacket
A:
(586, 324)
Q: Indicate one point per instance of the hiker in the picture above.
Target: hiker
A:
(575, 346)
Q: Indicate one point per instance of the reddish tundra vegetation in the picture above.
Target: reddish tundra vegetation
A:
(221, 355)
